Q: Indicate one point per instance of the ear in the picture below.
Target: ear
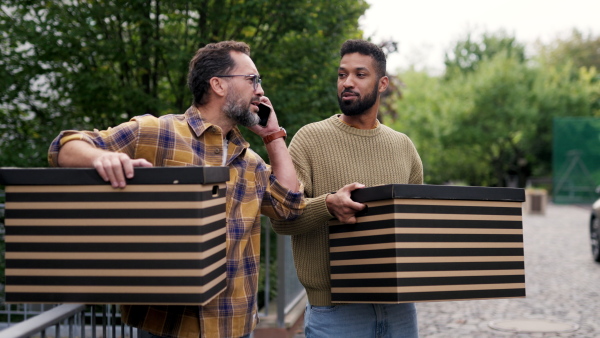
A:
(384, 82)
(219, 86)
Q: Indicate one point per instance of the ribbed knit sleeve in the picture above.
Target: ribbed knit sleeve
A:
(315, 213)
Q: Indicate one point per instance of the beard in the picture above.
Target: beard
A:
(359, 106)
(239, 111)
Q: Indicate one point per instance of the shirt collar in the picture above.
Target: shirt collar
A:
(199, 126)
(348, 124)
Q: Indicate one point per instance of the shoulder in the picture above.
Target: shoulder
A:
(398, 138)
(151, 125)
(316, 129)
(319, 125)
(389, 132)
(149, 120)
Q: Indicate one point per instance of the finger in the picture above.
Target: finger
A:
(345, 200)
(110, 174)
(127, 167)
(357, 206)
(266, 100)
(142, 162)
(354, 186)
(117, 167)
(101, 171)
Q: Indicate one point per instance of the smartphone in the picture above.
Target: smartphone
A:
(264, 112)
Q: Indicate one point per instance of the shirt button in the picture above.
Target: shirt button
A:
(217, 151)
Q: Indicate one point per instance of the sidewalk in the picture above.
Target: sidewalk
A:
(562, 283)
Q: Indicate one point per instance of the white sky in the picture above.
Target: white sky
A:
(425, 29)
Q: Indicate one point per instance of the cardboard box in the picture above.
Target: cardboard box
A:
(418, 243)
(72, 238)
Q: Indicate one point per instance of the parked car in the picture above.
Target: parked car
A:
(595, 230)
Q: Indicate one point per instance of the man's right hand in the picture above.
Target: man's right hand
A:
(342, 206)
(115, 167)
(112, 167)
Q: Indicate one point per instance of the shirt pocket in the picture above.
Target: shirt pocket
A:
(243, 207)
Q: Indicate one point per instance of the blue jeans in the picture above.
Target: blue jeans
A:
(361, 320)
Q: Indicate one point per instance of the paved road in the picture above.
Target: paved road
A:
(562, 285)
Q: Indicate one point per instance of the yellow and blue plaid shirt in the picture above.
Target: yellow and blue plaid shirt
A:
(186, 139)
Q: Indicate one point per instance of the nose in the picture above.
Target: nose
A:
(259, 90)
(348, 82)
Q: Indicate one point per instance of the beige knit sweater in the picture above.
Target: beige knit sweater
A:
(328, 155)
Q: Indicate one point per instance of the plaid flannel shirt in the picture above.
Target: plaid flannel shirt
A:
(186, 139)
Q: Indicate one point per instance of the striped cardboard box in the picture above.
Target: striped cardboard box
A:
(72, 238)
(429, 243)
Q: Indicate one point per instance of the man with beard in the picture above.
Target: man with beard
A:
(340, 154)
(227, 89)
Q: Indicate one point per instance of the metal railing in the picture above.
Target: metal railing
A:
(72, 320)
(289, 289)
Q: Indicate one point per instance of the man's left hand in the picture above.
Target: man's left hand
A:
(272, 123)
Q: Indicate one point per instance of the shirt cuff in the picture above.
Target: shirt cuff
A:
(285, 195)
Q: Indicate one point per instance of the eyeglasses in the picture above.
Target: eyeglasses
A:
(256, 79)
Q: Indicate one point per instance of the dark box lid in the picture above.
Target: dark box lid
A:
(89, 176)
(441, 192)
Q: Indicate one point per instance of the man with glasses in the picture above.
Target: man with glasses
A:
(227, 90)
(343, 153)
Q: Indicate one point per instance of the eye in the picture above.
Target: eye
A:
(361, 74)
(341, 75)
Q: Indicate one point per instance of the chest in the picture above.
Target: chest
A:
(371, 163)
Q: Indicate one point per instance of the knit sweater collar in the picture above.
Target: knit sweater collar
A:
(335, 119)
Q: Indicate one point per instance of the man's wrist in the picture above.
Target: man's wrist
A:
(281, 133)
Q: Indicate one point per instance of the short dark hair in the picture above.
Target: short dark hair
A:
(210, 60)
(366, 48)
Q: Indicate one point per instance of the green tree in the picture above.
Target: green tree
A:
(493, 129)
(82, 65)
(469, 128)
(568, 86)
(94, 64)
(490, 122)
(467, 54)
(579, 49)
(560, 91)
(426, 113)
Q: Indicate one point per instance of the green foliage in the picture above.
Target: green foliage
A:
(83, 65)
(561, 91)
(492, 130)
(426, 112)
(489, 122)
(94, 64)
(468, 54)
(578, 49)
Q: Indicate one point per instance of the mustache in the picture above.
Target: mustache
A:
(348, 91)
